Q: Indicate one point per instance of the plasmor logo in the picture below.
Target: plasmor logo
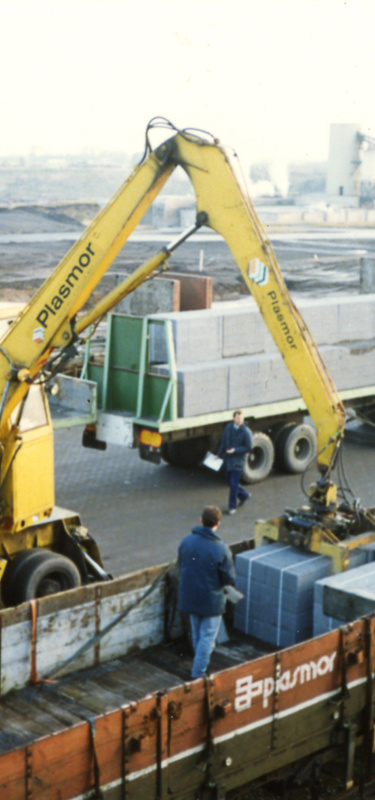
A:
(258, 272)
(38, 335)
(68, 286)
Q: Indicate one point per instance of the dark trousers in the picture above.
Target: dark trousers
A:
(236, 491)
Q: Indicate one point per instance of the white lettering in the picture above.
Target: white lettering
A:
(247, 689)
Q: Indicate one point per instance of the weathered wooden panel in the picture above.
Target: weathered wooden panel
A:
(65, 623)
(15, 655)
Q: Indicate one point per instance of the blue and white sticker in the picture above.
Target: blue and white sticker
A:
(258, 272)
(38, 335)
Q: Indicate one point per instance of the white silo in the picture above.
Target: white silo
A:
(344, 164)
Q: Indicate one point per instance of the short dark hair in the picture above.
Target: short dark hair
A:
(237, 412)
(211, 516)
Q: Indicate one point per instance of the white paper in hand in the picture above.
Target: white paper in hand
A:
(212, 461)
(232, 594)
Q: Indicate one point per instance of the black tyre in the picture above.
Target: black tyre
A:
(165, 452)
(296, 447)
(37, 573)
(187, 453)
(259, 462)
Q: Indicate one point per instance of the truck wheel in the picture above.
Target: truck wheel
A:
(259, 462)
(165, 452)
(37, 573)
(295, 447)
(187, 453)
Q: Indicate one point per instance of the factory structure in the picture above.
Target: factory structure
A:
(351, 167)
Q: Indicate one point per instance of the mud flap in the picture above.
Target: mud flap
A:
(149, 453)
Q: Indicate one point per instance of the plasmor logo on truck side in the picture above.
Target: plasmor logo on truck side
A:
(56, 302)
(247, 689)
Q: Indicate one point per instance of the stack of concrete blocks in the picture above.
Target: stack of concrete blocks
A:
(362, 578)
(278, 583)
(226, 357)
(156, 296)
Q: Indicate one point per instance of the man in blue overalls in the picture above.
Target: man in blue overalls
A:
(235, 444)
(206, 568)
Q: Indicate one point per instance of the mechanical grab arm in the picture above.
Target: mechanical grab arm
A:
(50, 320)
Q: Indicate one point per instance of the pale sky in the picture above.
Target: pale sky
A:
(264, 76)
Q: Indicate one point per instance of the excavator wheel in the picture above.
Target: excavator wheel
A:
(37, 573)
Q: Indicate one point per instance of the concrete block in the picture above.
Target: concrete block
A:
(305, 599)
(322, 319)
(358, 580)
(244, 332)
(351, 594)
(244, 611)
(277, 582)
(202, 389)
(356, 318)
(152, 297)
(288, 638)
(297, 620)
(300, 577)
(248, 380)
(350, 366)
(369, 550)
(321, 622)
(236, 335)
(339, 320)
(197, 336)
(256, 379)
(244, 561)
(262, 630)
(277, 636)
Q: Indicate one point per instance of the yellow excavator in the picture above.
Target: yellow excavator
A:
(44, 549)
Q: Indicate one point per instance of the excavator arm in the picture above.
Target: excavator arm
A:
(230, 213)
(50, 320)
(46, 322)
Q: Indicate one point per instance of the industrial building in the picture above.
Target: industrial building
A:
(351, 167)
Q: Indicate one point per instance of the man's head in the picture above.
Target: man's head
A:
(211, 516)
(238, 417)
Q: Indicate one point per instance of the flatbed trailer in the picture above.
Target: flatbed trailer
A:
(138, 393)
(97, 702)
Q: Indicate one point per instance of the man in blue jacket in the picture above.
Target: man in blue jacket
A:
(205, 567)
(235, 444)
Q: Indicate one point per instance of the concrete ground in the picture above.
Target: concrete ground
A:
(138, 512)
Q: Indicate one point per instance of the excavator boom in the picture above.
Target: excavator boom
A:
(51, 321)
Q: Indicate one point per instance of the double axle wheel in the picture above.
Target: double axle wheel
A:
(289, 447)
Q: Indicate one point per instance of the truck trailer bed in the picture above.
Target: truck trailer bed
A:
(49, 707)
(97, 701)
